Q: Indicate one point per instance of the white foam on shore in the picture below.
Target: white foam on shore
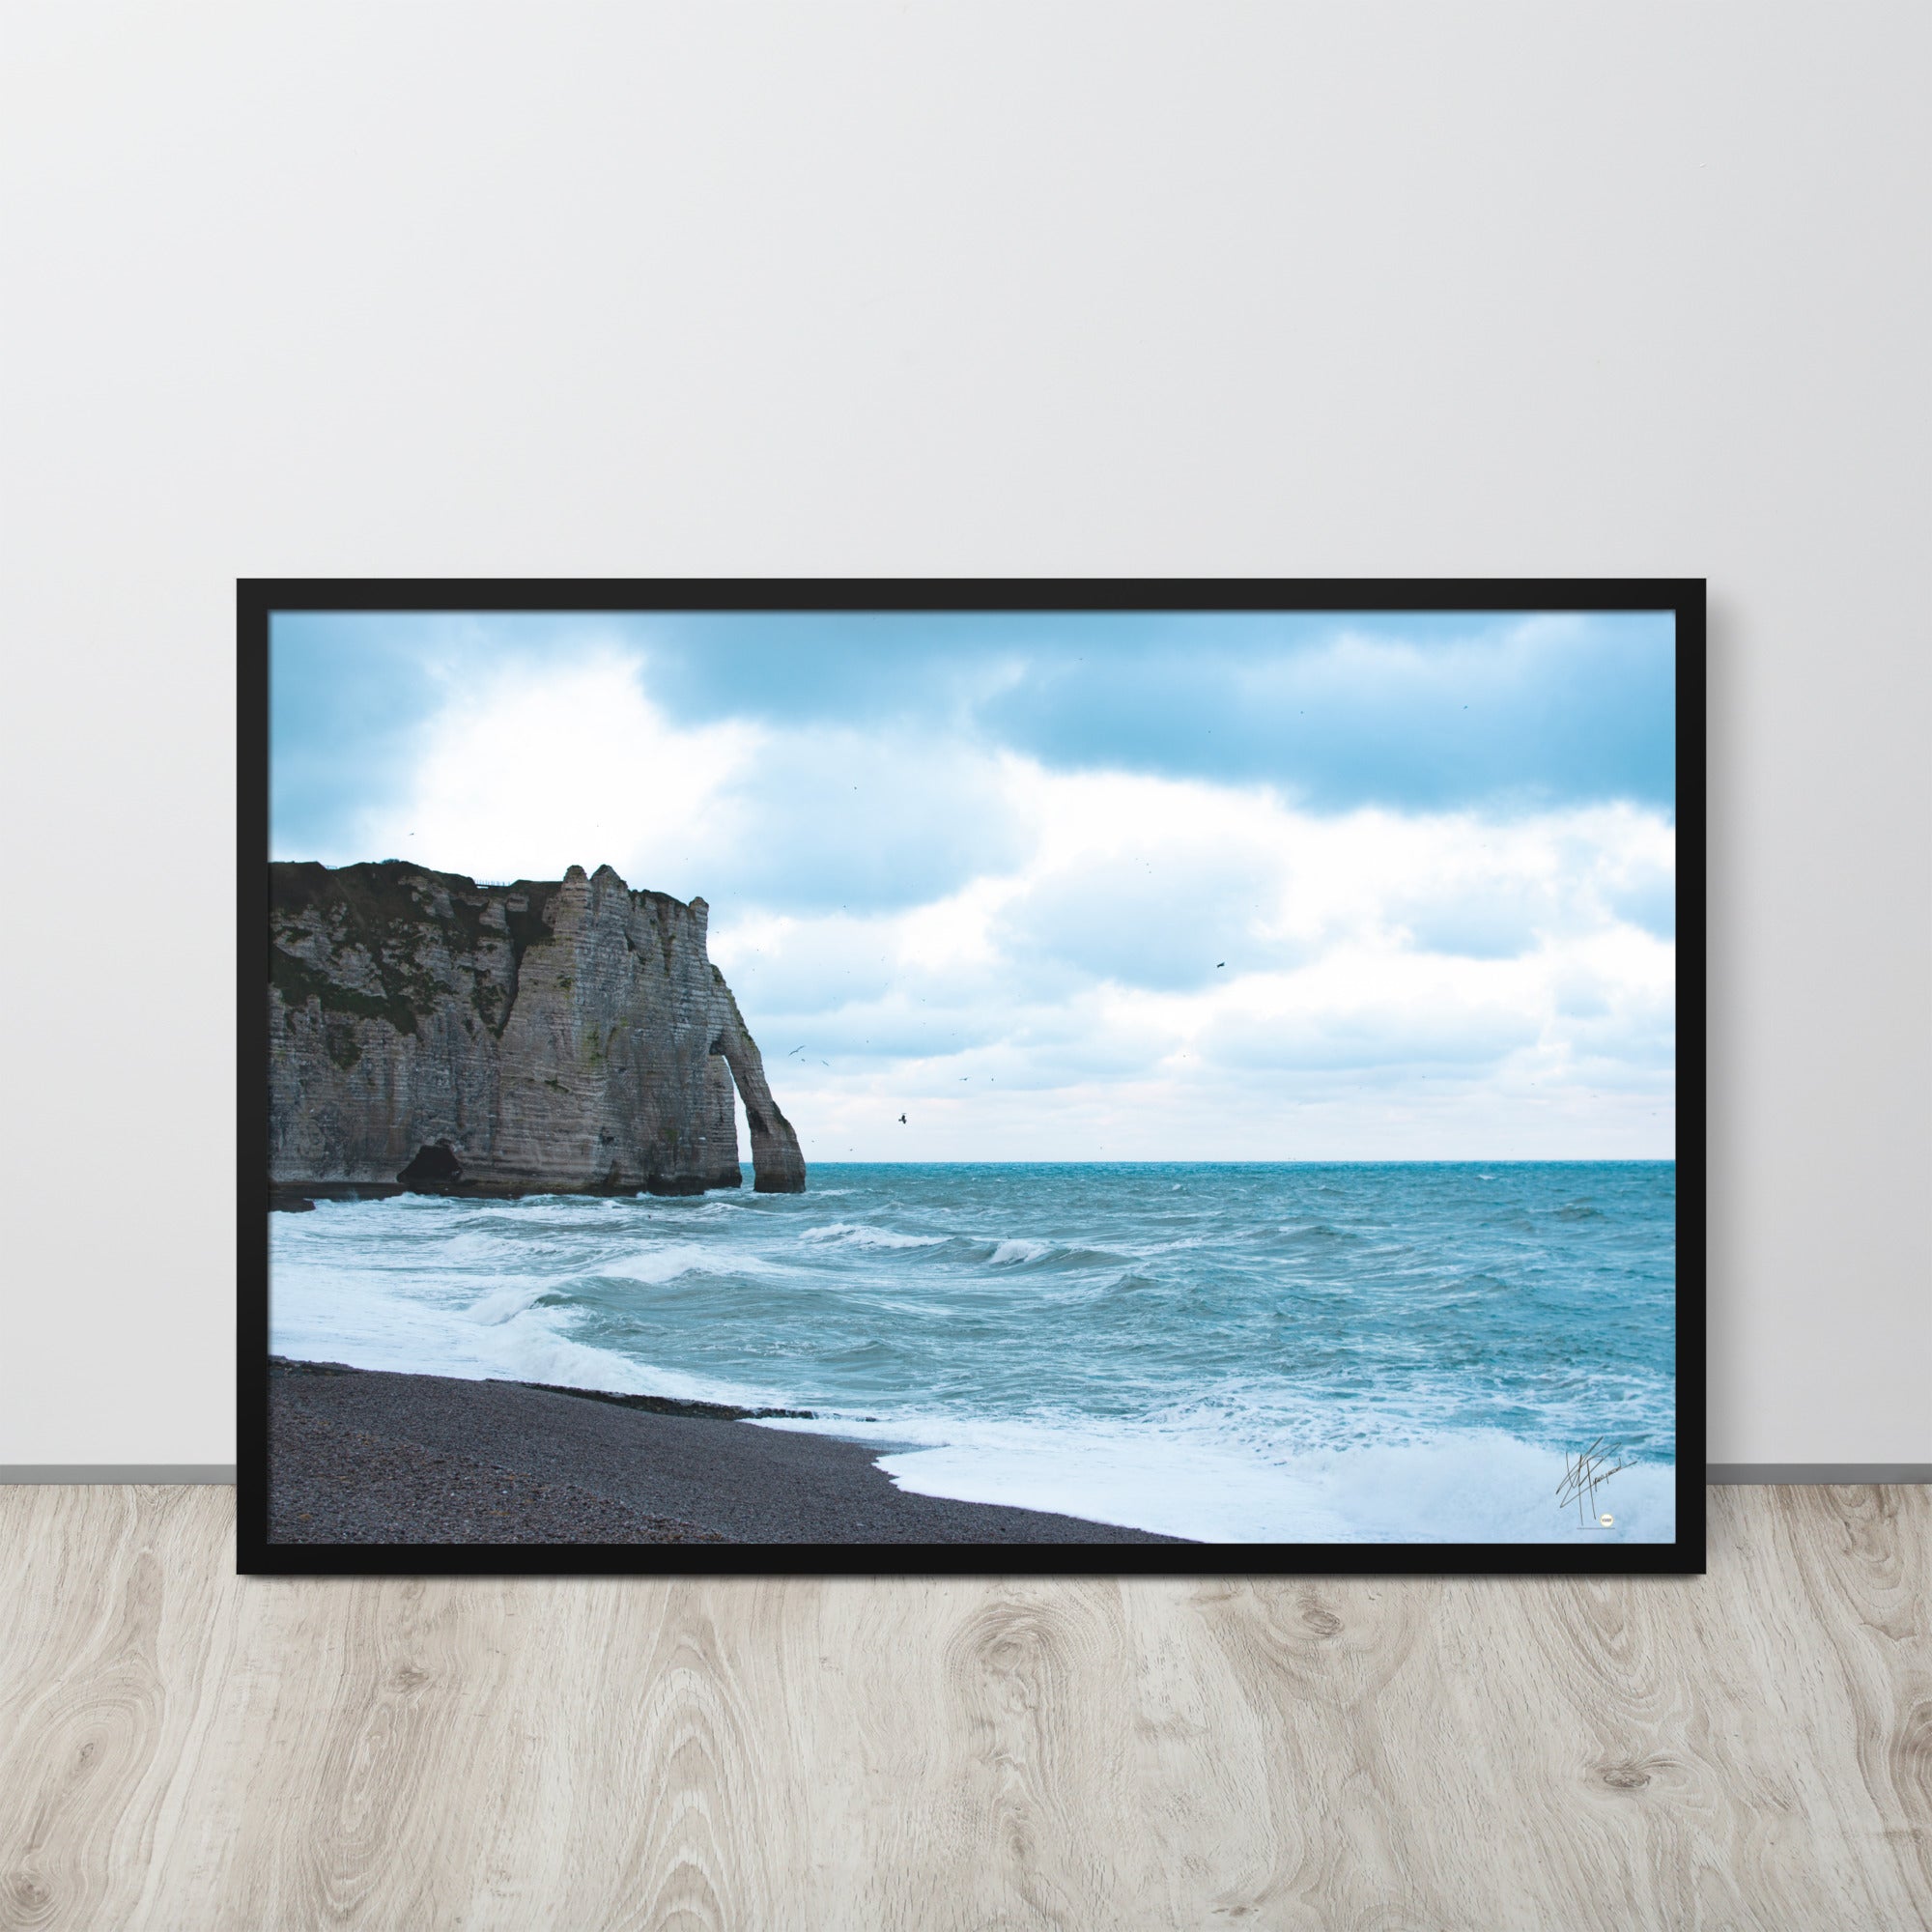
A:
(580, 1292)
(1203, 1482)
(472, 1325)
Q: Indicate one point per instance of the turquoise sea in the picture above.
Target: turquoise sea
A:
(1402, 1351)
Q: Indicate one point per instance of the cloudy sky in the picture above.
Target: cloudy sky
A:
(985, 871)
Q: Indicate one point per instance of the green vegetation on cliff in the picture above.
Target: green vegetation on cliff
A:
(382, 910)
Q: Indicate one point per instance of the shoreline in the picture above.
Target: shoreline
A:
(293, 1197)
(362, 1456)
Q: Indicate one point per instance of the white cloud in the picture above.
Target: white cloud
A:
(1075, 1005)
(1029, 962)
(532, 770)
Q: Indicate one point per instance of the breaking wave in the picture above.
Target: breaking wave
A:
(852, 1235)
(1252, 1353)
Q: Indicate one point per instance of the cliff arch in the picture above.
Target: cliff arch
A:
(777, 1166)
(566, 1036)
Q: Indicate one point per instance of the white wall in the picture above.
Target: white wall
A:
(1036, 288)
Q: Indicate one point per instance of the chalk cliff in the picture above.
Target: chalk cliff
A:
(568, 1036)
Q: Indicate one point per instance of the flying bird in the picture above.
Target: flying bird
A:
(902, 1120)
(1218, 964)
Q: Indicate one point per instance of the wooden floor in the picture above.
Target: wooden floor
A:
(184, 1749)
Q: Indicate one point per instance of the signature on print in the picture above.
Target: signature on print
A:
(1583, 1475)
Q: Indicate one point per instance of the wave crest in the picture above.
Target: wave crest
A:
(1017, 1252)
(854, 1235)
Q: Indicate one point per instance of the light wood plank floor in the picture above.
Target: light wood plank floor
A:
(184, 1749)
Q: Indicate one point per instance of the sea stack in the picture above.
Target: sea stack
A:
(552, 1037)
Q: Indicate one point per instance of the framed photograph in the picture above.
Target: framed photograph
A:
(896, 1076)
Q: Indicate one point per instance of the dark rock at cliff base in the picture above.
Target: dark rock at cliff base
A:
(434, 1166)
(546, 1036)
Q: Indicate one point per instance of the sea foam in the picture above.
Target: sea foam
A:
(1244, 1354)
(851, 1234)
(1478, 1486)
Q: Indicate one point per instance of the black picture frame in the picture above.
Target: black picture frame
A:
(259, 598)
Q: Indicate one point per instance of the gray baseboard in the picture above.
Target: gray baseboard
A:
(1818, 1472)
(117, 1472)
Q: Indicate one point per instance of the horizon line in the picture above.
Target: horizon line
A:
(1290, 1160)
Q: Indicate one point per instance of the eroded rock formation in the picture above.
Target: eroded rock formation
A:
(566, 1036)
